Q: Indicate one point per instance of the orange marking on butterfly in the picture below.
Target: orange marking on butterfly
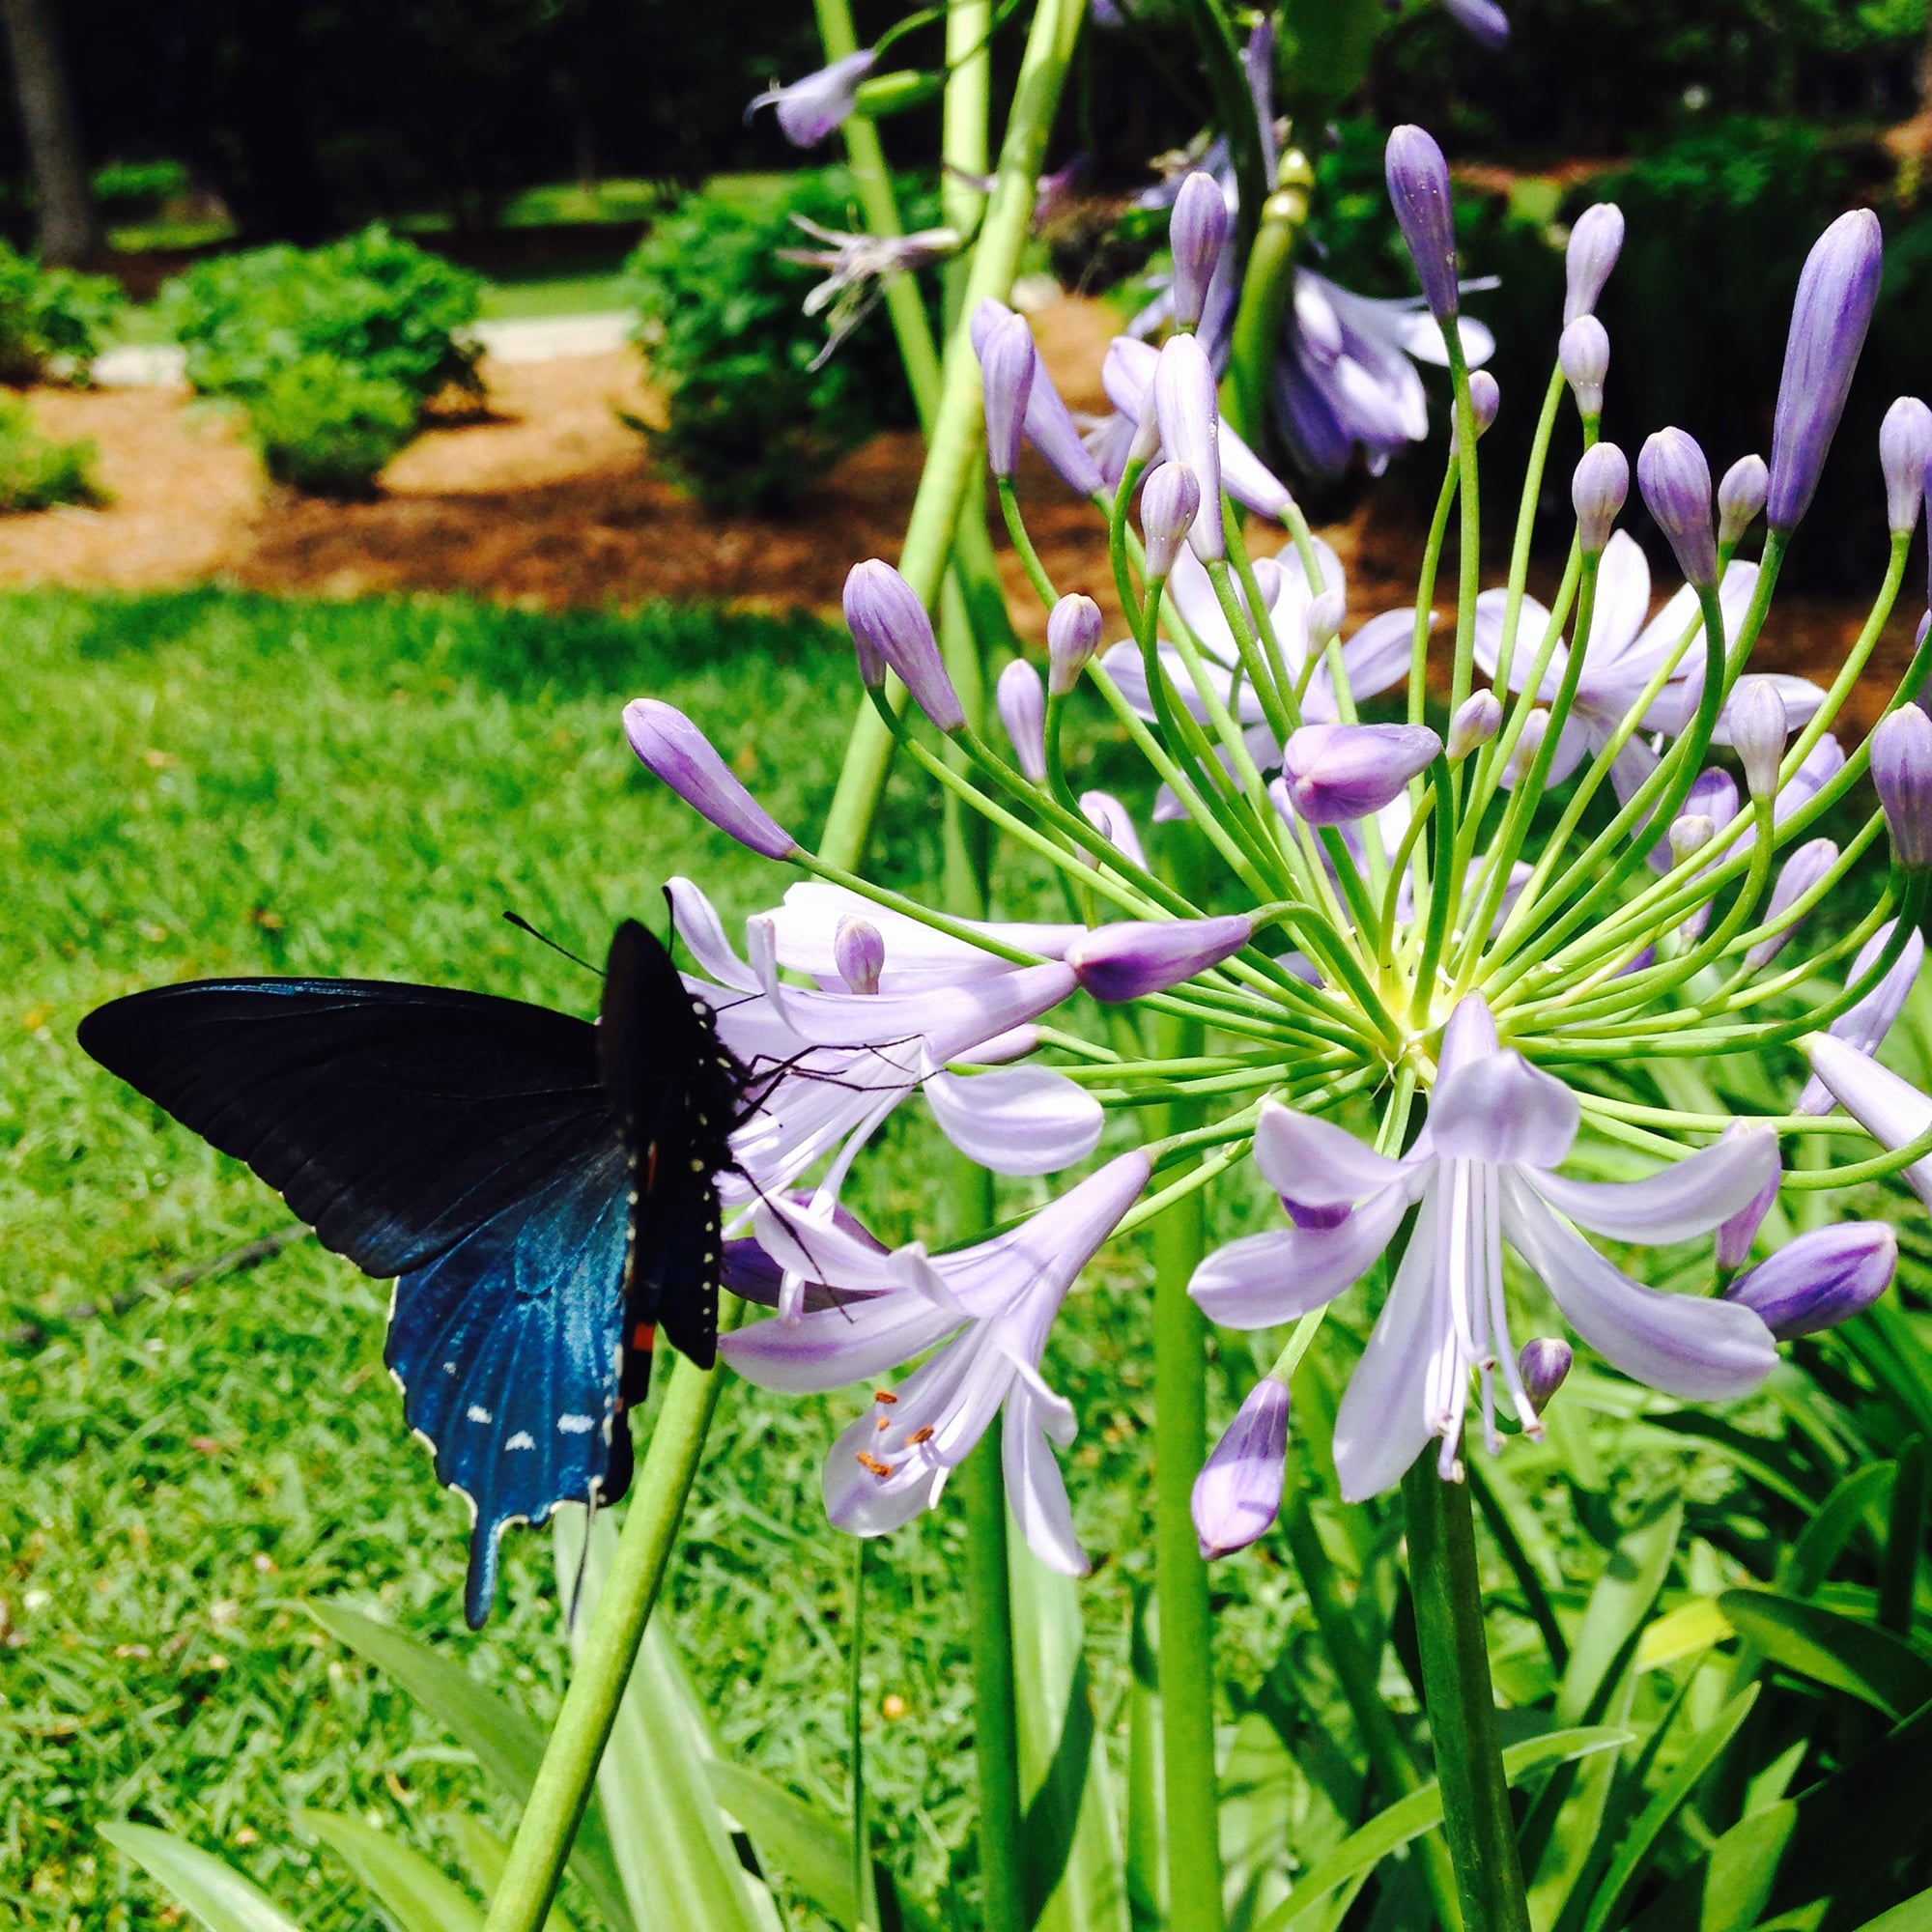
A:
(645, 1337)
(651, 1168)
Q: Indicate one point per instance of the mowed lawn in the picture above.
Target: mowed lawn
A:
(210, 784)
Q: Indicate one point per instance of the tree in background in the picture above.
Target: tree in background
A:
(69, 230)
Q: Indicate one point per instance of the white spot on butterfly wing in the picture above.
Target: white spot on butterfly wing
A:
(476, 1412)
(522, 1439)
(576, 1425)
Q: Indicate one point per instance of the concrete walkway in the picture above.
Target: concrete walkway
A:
(535, 339)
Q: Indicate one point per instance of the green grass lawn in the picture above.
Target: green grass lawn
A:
(209, 784)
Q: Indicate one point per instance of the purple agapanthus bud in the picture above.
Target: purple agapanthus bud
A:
(1740, 498)
(858, 952)
(1021, 700)
(1190, 424)
(1904, 448)
(1796, 877)
(1584, 356)
(1544, 1367)
(1334, 774)
(1676, 485)
(1136, 957)
(889, 627)
(811, 108)
(1689, 834)
(678, 753)
(1115, 823)
(1736, 1235)
(1169, 502)
(1237, 1494)
(1197, 231)
(1049, 424)
(1477, 720)
(1073, 628)
(1521, 759)
(1596, 240)
(1597, 491)
(1759, 728)
(1901, 769)
(1482, 20)
(1325, 613)
(1820, 1279)
(1418, 186)
(1486, 398)
(1007, 369)
(1836, 293)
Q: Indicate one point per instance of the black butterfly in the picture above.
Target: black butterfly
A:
(544, 1191)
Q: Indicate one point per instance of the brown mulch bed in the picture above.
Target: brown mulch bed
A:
(548, 500)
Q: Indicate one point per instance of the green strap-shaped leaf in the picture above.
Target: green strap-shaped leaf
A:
(1914, 1916)
(680, 1869)
(217, 1894)
(1808, 1561)
(505, 1742)
(1147, 1835)
(811, 1848)
(1828, 1648)
(1639, 1845)
(1619, 1606)
(412, 1894)
(1406, 1820)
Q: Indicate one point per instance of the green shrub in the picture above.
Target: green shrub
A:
(373, 302)
(332, 352)
(326, 427)
(749, 421)
(35, 473)
(51, 319)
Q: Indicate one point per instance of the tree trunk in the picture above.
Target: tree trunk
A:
(69, 229)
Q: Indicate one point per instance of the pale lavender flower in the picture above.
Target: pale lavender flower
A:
(1007, 365)
(1418, 189)
(1736, 1232)
(1740, 495)
(1189, 417)
(1584, 355)
(1759, 728)
(1197, 235)
(811, 108)
(1237, 1494)
(1134, 958)
(1335, 773)
(859, 266)
(1482, 1174)
(1836, 293)
(991, 1305)
(1598, 490)
(1799, 872)
(1049, 424)
(1624, 652)
(1169, 502)
(844, 1060)
(1115, 823)
(1021, 700)
(674, 749)
(1904, 450)
(889, 627)
(1891, 1110)
(1073, 628)
(1544, 1364)
(1866, 1025)
(1820, 1279)
(1676, 485)
(1596, 241)
(1901, 769)
(1477, 720)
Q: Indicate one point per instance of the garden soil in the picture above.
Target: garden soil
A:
(546, 500)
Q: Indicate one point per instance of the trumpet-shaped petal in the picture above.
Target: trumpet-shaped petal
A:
(811, 108)
(1019, 1120)
(1263, 1280)
(1891, 1110)
(1677, 1202)
(1866, 1025)
(1237, 1494)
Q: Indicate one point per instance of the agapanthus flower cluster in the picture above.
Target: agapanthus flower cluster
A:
(1417, 961)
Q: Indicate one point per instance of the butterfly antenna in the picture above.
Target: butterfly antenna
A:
(523, 925)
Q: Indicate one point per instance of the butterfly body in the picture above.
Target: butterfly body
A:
(544, 1192)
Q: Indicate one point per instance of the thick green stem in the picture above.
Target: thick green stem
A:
(1180, 1576)
(954, 445)
(1460, 1701)
(582, 1727)
(996, 1730)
